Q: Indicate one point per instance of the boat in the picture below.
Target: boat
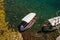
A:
(27, 22)
(54, 23)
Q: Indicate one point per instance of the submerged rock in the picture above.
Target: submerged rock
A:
(6, 34)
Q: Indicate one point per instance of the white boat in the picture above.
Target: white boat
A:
(27, 21)
(54, 21)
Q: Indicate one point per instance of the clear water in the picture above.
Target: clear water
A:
(17, 9)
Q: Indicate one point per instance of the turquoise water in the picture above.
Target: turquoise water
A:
(17, 9)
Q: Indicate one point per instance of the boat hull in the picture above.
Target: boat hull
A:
(27, 27)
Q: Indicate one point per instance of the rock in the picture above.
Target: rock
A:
(58, 38)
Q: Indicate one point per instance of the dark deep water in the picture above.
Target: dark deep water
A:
(17, 9)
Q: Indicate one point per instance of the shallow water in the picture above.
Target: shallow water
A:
(17, 9)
